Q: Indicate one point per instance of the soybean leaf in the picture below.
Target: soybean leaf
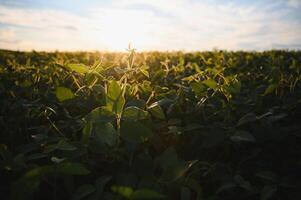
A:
(173, 167)
(123, 191)
(144, 71)
(198, 88)
(102, 114)
(210, 83)
(72, 168)
(106, 133)
(234, 88)
(86, 133)
(79, 68)
(134, 113)
(57, 160)
(114, 98)
(250, 117)
(241, 136)
(134, 131)
(146, 194)
(271, 88)
(64, 145)
(156, 110)
(39, 171)
(63, 93)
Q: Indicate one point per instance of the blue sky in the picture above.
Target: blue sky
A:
(150, 24)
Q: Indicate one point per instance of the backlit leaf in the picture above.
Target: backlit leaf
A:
(156, 110)
(134, 113)
(114, 98)
(271, 88)
(63, 93)
(146, 194)
(210, 83)
(123, 191)
(79, 68)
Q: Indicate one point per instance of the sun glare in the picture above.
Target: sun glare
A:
(121, 28)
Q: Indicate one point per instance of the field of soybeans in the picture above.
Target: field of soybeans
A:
(215, 125)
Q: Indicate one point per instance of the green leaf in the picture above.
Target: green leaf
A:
(134, 131)
(36, 156)
(106, 133)
(114, 98)
(210, 83)
(175, 130)
(57, 160)
(79, 68)
(66, 146)
(241, 136)
(250, 117)
(39, 171)
(234, 88)
(198, 88)
(86, 133)
(146, 194)
(146, 87)
(173, 167)
(61, 145)
(83, 191)
(100, 114)
(271, 88)
(99, 123)
(144, 71)
(156, 110)
(72, 168)
(278, 117)
(134, 113)
(63, 93)
(26, 83)
(50, 148)
(123, 191)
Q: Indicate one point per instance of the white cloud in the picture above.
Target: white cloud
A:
(294, 3)
(160, 25)
(8, 34)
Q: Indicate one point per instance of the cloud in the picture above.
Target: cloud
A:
(286, 46)
(154, 25)
(69, 27)
(294, 3)
(7, 36)
(38, 18)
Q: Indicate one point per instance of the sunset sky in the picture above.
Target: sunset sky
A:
(150, 24)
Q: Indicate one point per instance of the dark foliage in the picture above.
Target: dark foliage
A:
(211, 125)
